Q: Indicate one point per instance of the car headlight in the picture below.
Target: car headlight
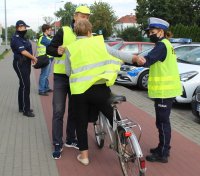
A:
(188, 75)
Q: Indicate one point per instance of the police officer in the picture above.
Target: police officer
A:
(163, 84)
(22, 50)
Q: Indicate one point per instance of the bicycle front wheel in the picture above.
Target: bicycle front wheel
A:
(130, 163)
(99, 131)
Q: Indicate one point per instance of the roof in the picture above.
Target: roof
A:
(127, 19)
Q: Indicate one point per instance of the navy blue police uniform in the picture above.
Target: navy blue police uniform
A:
(22, 66)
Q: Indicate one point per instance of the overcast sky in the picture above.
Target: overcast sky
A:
(32, 11)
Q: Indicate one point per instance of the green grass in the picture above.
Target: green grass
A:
(3, 54)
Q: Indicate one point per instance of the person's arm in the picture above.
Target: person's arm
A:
(19, 46)
(68, 63)
(158, 53)
(57, 41)
(45, 41)
(126, 57)
(30, 56)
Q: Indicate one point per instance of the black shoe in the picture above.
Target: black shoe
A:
(157, 158)
(50, 90)
(157, 151)
(57, 151)
(73, 144)
(43, 93)
(29, 114)
(31, 110)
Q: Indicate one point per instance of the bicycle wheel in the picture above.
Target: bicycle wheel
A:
(130, 163)
(99, 131)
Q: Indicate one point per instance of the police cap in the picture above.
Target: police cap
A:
(21, 23)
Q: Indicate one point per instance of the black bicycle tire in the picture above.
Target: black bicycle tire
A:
(119, 133)
(99, 140)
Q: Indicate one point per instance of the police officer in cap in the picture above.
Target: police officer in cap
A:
(163, 84)
(23, 57)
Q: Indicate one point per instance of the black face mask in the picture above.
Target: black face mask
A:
(22, 33)
(153, 38)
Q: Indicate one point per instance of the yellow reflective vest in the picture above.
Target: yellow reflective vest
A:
(41, 49)
(68, 37)
(164, 80)
(91, 64)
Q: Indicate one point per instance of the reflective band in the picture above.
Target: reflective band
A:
(87, 78)
(95, 65)
(60, 61)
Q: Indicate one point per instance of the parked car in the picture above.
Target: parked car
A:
(138, 76)
(196, 104)
(133, 47)
(189, 68)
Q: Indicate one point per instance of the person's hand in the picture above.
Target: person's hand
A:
(141, 60)
(61, 50)
(34, 60)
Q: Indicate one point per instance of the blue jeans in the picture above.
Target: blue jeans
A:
(44, 75)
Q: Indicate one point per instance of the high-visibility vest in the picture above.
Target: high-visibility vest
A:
(41, 49)
(91, 64)
(68, 37)
(164, 80)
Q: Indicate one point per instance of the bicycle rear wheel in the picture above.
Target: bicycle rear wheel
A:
(130, 163)
(99, 131)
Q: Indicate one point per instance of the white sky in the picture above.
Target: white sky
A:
(32, 11)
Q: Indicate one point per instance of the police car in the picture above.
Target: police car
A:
(189, 69)
(138, 76)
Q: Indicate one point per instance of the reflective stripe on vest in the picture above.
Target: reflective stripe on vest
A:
(41, 49)
(164, 80)
(91, 64)
(68, 37)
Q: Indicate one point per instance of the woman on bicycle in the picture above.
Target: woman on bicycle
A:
(92, 72)
(163, 84)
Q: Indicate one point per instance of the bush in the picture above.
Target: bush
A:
(131, 34)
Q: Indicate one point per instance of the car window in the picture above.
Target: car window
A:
(183, 49)
(146, 47)
(133, 48)
(192, 57)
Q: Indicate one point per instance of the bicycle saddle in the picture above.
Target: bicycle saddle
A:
(115, 99)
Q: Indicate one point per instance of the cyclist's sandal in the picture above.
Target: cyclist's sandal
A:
(84, 161)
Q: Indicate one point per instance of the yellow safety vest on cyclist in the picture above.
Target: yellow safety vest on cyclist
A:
(41, 49)
(91, 64)
(68, 37)
(162, 82)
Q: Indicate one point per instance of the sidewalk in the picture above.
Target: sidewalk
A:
(25, 143)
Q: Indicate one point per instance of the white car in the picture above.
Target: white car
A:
(138, 76)
(189, 68)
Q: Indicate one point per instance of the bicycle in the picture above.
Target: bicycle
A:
(123, 139)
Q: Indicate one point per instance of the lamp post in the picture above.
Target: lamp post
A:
(6, 31)
(55, 16)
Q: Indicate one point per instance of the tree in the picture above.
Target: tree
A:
(131, 34)
(175, 12)
(48, 20)
(102, 18)
(66, 14)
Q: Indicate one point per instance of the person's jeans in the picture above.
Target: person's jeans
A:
(44, 75)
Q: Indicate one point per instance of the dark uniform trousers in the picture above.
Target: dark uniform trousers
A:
(61, 90)
(22, 67)
(163, 110)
